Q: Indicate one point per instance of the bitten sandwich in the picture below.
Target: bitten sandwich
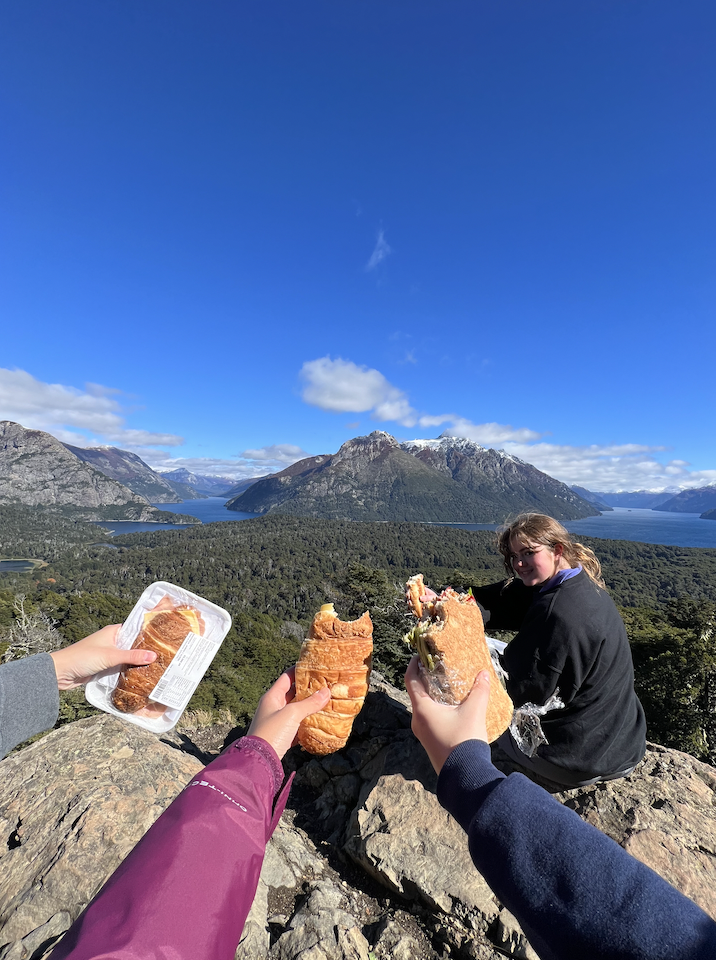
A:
(449, 638)
(164, 630)
(336, 654)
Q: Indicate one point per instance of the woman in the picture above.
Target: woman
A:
(570, 639)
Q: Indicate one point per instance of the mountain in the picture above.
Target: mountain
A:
(200, 483)
(592, 498)
(638, 499)
(377, 478)
(37, 470)
(243, 485)
(130, 470)
(699, 500)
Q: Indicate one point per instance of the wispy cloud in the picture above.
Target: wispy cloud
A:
(341, 386)
(278, 454)
(380, 251)
(64, 410)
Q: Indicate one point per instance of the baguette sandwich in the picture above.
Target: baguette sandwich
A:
(449, 638)
(336, 654)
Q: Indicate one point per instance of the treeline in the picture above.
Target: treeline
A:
(274, 572)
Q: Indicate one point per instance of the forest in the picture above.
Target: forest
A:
(274, 572)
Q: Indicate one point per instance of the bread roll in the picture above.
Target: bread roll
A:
(164, 631)
(336, 654)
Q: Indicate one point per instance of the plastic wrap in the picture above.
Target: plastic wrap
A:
(526, 728)
(178, 682)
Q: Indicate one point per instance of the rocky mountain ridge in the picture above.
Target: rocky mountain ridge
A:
(129, 469)
(444, 480)
(37, 470)
(364, 863)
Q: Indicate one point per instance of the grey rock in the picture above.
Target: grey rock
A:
(322, 930)
(40, 941)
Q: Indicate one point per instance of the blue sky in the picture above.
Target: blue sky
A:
(239, 233)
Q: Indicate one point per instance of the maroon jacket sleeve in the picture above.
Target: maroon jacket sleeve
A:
(186, 889)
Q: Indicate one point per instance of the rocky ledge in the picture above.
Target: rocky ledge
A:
(364, 865)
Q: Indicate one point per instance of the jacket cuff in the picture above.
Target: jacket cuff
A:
(267, 754)
(466, 780)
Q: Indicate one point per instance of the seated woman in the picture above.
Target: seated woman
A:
(570, 638)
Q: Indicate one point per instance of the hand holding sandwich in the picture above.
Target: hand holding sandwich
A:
(279, 714)
(441, 727)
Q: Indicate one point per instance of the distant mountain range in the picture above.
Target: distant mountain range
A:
(370, 478)
(701, 500)
(199, 485)
(638, 499)
(378, 478)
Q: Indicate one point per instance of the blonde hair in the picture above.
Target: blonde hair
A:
(537, 528)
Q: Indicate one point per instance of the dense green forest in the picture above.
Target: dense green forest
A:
(273, 573)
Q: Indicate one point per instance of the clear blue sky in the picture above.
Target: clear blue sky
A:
(240, 232)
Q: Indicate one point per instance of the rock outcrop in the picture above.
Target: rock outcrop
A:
(37, 470)
(445, 480)
(364, 863)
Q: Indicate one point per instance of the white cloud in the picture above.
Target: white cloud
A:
(283, 454)
(341, 386)
(487, 434)
(380, 252)
(62, 411)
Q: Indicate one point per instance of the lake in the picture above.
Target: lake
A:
(646, 526)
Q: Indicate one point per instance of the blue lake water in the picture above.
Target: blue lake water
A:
(646, 526)
(211, 510)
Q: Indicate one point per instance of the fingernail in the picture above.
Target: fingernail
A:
(149, 656)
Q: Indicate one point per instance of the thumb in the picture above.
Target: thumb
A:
(474, 706)
(317, 701)
(135, 658)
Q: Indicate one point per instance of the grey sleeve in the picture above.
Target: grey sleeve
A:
(29, 699)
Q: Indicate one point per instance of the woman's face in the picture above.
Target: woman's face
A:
(532, 562)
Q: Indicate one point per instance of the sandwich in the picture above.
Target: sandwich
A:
(449, 638)
(336, 654)
(164, 630)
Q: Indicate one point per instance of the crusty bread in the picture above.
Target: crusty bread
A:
(454, 641)
(337, 654)
(414, 590)
(164, 630)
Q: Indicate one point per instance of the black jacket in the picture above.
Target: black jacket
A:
(571, 637)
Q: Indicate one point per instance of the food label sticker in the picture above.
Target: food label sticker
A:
(181, 677)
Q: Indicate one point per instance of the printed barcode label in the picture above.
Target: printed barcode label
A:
(181, 677)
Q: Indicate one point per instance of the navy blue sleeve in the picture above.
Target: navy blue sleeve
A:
(574, 891)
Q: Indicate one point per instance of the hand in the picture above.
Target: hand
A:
(279, 714)
(78, 663)
(441, 727)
